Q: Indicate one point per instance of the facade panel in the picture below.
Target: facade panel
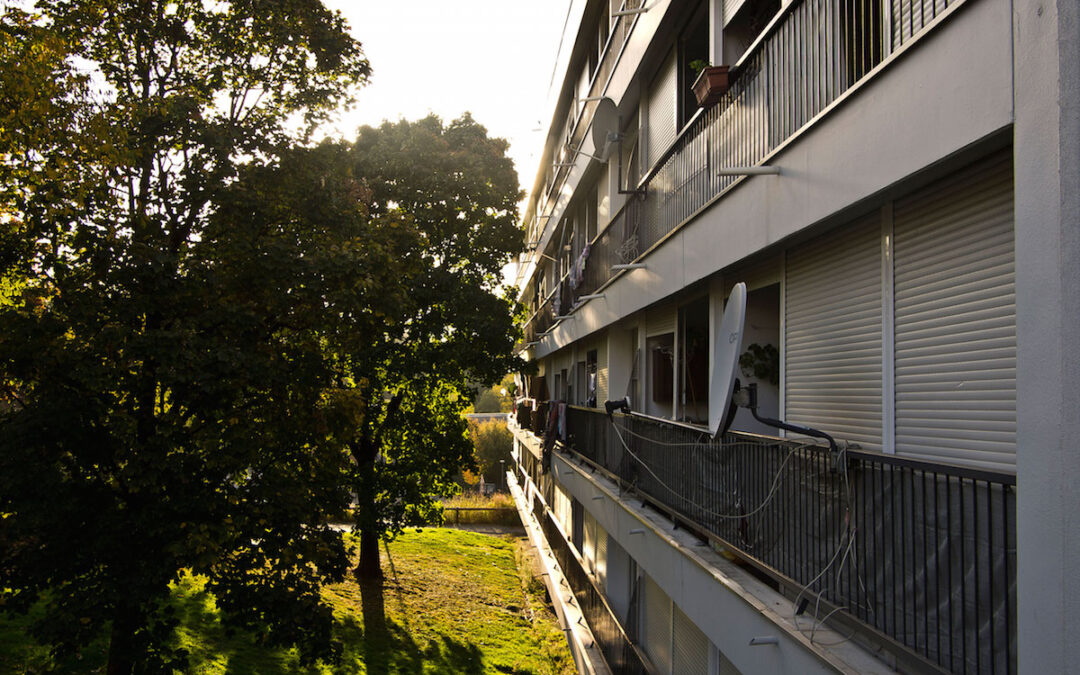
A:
(832, 333)
(955, 315)
(656, 625)
(690, 649)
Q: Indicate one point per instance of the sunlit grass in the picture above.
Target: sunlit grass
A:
(454, 602)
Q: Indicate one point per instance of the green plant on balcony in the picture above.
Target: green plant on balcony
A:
(761, 362)
(711, 83)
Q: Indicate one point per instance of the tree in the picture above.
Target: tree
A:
(492, 443)
(177, 273)
(499, 398)
(457, 188)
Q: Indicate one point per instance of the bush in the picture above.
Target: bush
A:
(507, 516)
(492, 443)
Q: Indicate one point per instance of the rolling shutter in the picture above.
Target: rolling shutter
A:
(832, 333)
(660, 320)
(601, 372)
(690, 653)
(656, 626)
(588, 551)
(661, 111)
(955, 317)
(601, 556)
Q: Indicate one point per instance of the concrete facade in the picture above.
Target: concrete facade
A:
(1047, 150)
(982, 81)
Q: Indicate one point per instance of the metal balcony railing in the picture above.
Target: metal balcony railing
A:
(805, 61)
(916, 555)
(619, 652)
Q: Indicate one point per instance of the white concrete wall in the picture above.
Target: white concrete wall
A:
(1047, 174)
(951, 90)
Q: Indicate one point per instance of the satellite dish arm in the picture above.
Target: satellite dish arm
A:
(787, 426)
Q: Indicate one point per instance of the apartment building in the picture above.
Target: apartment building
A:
(896, 184)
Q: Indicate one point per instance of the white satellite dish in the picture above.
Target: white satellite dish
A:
(722, 367)
(605, 128)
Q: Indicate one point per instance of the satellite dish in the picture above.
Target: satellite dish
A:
(728, 340)
(605, 127)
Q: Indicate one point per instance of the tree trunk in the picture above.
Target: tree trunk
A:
(122, 642)
(370, 567)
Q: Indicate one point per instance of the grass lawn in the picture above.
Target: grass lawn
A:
(454, 602)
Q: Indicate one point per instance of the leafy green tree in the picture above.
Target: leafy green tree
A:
(457, 188)
(499, 398)
(492, 443)
(175, 273)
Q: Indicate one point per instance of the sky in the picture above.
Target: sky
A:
(493, 58)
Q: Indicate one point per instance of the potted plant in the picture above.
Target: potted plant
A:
(711, 83)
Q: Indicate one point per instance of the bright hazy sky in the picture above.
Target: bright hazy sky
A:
(493, 58)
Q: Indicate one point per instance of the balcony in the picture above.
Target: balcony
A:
(913, 557)
(813, 55)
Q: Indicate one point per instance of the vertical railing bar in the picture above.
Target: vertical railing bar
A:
(1009, 607)
(991, 557)
(896, 606)
(926, 571)
(937, 560)
(963, 579)
(904, 521)
(978, 586)
(879, 543)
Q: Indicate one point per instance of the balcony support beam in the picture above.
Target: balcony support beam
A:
(749, 171)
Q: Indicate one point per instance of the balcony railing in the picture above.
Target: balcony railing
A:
(621, 654)
(803, 63)
(915, 555)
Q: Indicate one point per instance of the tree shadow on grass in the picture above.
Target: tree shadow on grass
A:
(373, 644)
(390, 648)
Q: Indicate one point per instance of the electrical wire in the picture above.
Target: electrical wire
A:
(845, 549)
(715, 514)
(850, 531)
(662, 443)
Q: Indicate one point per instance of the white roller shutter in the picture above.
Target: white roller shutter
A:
(955, 316)
(601, 556)
(690, 652)
(601, 372)
(661, 111)
(832, 333)
(660, 320)
(656, 628)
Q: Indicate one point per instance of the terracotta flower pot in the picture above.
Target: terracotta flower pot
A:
(710, 85)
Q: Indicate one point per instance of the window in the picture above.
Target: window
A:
(694, 360)
(662, 373)
(693, 46)
(760, 359)
(629, 155)
(590, 374)
(743, 28)
(590, 214)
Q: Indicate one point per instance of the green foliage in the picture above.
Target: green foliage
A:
(500, 623)
(761, 362)
(180, 272)
(698, 65)
(499, 398)
(456, 190)
(492, 442)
